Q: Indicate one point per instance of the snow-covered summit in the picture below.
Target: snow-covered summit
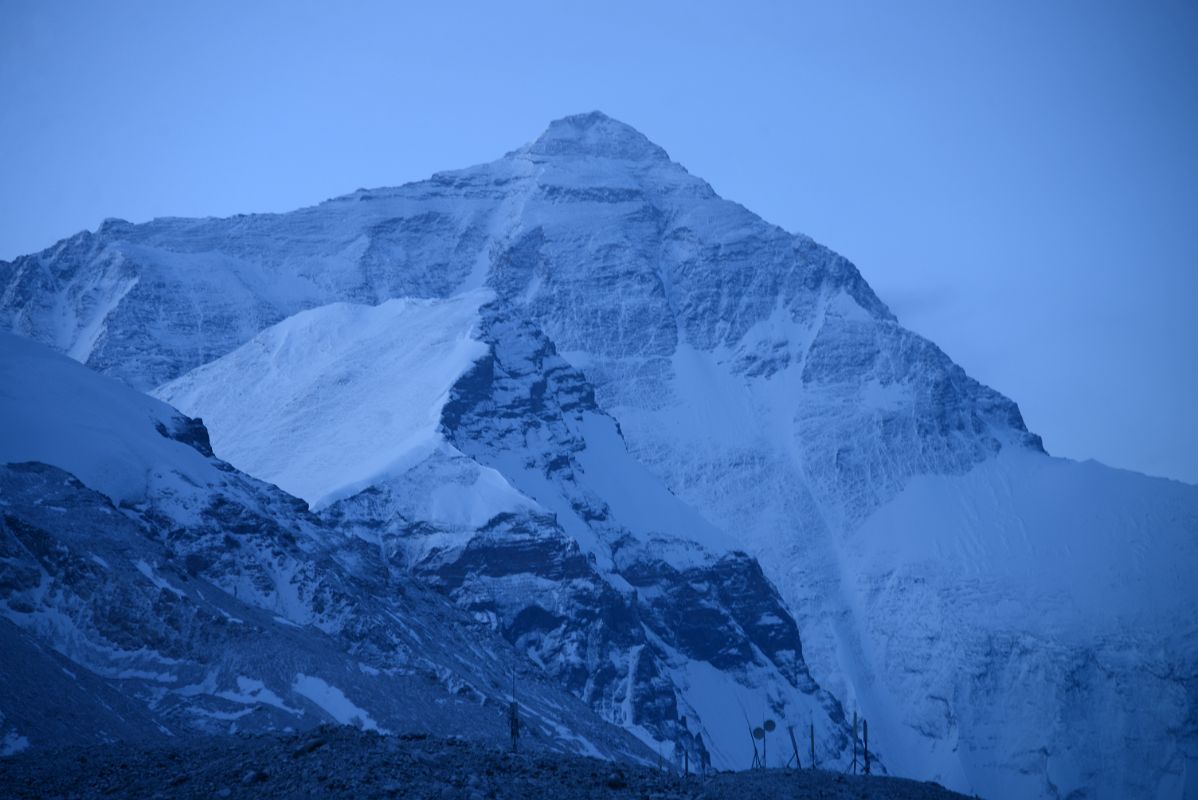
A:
(594, 135)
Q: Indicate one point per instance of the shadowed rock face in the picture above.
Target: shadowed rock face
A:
(145, 627)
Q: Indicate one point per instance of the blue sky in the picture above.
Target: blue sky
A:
(1018, 180)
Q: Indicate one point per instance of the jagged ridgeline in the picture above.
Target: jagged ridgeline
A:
(682, 467)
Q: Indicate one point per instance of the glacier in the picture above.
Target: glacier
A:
(1012, 624)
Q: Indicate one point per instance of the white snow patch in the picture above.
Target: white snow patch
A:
(253, 692)
(138, 675)
(224, 716)
(333, 701)
(473, 504)
(13, 743)
(145, 569)
(582, 745)
(89, 332)
(454, 492)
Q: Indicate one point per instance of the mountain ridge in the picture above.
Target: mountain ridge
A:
(760, 381)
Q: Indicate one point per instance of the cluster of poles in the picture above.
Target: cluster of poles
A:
(768, 726)
(760, 733)
(756, 734)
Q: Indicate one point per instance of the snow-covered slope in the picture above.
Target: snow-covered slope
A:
(756, 376)
(356, 390)
(57, 413)
(207, 601)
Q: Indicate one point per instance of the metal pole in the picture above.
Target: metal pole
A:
(866, 723)
(853, 766)
(813, 764)
(514, 715)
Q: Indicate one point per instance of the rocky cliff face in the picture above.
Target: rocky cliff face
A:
(902, 510)
(684, 597)
(525, 508)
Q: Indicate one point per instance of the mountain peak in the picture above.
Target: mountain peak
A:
(595, 134)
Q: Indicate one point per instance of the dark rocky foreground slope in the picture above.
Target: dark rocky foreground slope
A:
(345, 762)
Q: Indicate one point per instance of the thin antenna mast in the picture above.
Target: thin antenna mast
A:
(853, 766)
(865, 723)
(514, 714)
(794, 745)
